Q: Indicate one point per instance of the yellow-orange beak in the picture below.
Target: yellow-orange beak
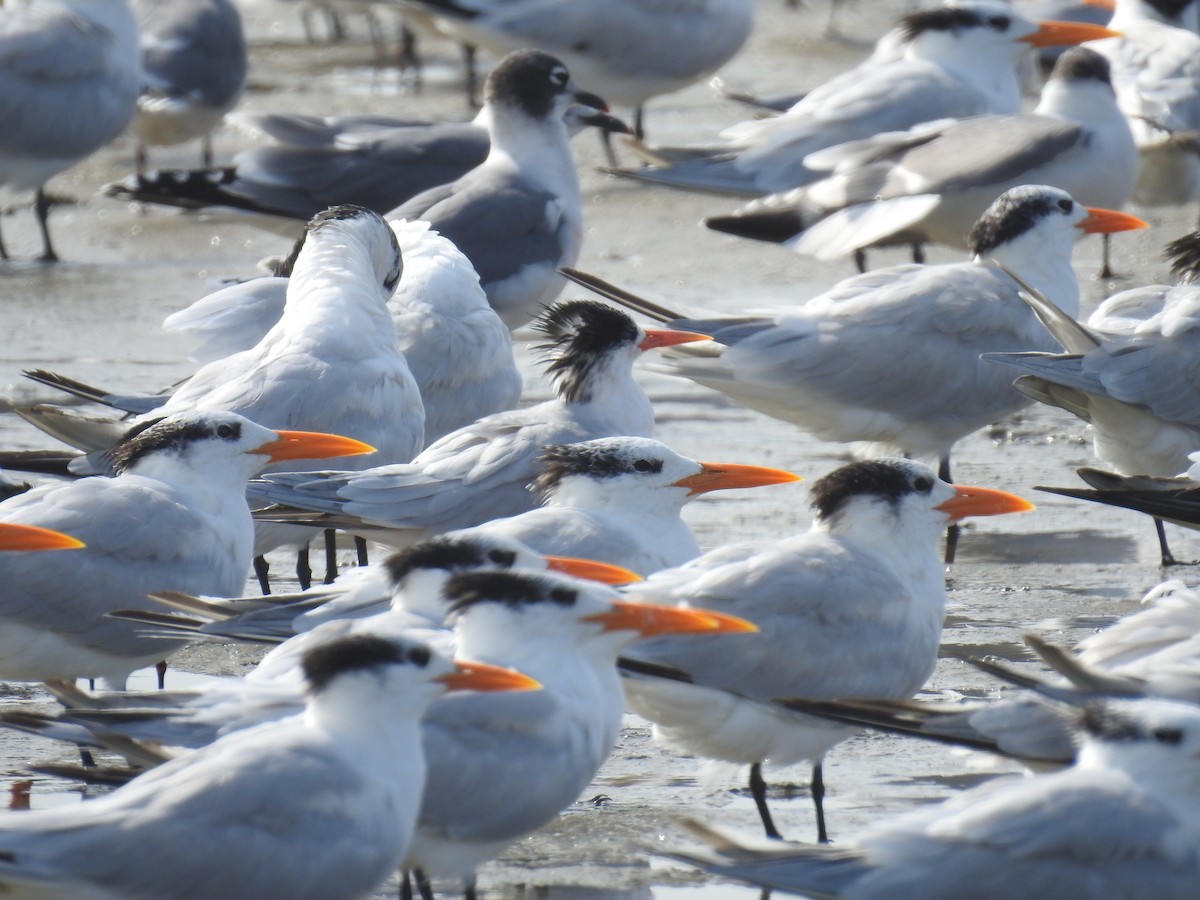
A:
(666, 337)
(477, 676)
(30, 537)
(724, 476)
(1101, 4)
(1067, 34)
(1109, 221)
(650, 619)
(592, 570)
(980, 501)
(311, 445)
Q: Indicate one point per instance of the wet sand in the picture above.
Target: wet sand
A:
(1061, 571)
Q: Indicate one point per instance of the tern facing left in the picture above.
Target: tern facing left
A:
(318, 805)
(173, 517)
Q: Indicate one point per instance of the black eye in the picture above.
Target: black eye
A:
(392, 280)
(1000, 23)
(1066, 205)
(923, 483)
(419, 656)
(562, 595)
(1168, 735)
(643, 465)
(503, 558)
(559, 76)
(226, 431)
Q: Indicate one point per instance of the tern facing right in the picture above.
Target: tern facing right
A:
(316, 806)
(1123, 822)
(892, 357)
(851, 609)
(173, 517)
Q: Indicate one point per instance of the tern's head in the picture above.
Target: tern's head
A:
(536, 86)
(385, 664)
(986, 31)
(887, 500)
(498, 610)
(1156, 741)
(635, 473)
(1184, 256)
(348, 235)
(418, 574)
(207, 446)
(1039, 221)
(588, 340)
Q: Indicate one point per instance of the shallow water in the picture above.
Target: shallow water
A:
(1061, 571)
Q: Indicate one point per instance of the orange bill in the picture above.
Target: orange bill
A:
(477, 676)
(724, 476)
(30, 537)
(311, 445)
(650, 619)
(667, 337)
(1067, 34)
(1109, 221)
(592, 570)
(980, 501)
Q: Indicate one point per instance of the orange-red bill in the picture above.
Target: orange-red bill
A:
(1109, 221)
(592, 570)
(724, 476)
(667, 337)
(30, 538)
(981, 501)
(311, 445)
(1067, 34)
(650, 619)
(477, 676)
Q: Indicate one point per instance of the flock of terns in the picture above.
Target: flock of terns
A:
(464, 684)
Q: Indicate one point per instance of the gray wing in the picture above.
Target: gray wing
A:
(193, 49)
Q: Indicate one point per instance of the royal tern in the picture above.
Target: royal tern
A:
(829, 366)
(933, 182)
(944, 63)
(1156, 71)
(319, 805)
(517, 214)
(498, 770)
(626, 50)
(69, 80)
(173, 517)
(851, 609)
(482, 471)
(458, 350)
(1121, 822)
(193, 71)
(618, 500)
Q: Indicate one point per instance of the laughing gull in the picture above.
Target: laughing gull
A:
(517, 215)
(69, 80)
(193, 70)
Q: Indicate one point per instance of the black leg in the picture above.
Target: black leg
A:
(360, 549)
(818, 796)
(303, 569)
(1168, 558)
(160, 668)
(1106, 266)
(472, 75)
(331, 566)
(469, 889)
(86, 759)
(262, 571)
(758, 790)
(860, 260)
(918, 254)
(3, 249)
(952, 530)
(639, 123)
(140, 159)
(406, 890)
(41, 205)
(423, 885)
(206, 151)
